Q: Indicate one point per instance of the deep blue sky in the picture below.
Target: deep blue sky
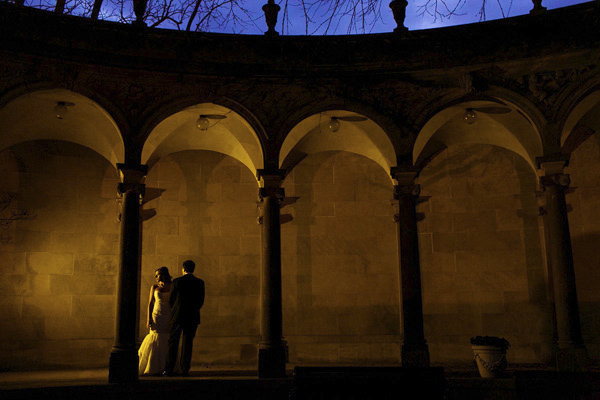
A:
(519, 7)
(468, 13)
(413, 21)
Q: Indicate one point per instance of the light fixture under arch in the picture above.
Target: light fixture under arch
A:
(314, 134)
(231, 135)
(63, 115)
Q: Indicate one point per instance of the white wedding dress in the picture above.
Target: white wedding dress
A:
(154, 348)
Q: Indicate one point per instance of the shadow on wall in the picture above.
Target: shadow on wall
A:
(340, 269)
(585, 254)
(207, 213)
(57, 277)
(482, 257)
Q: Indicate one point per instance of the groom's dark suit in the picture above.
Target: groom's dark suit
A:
(187, 297)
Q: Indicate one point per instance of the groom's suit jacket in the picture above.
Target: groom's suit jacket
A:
(187, 297)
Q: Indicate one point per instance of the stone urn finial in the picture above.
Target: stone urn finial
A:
(139, 8)
(537, 7)
(271, 10)
(399, 10)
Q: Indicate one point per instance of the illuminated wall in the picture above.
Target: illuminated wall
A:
(340, 262)
(206, 211)
(584, 223)
(482, 256)
(57, 280)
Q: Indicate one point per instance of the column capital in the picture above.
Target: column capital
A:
(400, 190)
(132, 179)
(132, 173)
(271, 175)
(561, 180)
(270, 182)
(551, 164)
(123, 188)
(405, 176)
(550, 170)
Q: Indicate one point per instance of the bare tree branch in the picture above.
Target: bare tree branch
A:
(317, 16)
(96, 9)
(9, 216)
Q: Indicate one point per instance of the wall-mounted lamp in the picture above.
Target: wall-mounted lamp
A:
(470, 116)
(334, 124)
(203, 122)
(60, 110)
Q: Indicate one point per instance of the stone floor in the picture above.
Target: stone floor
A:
(241, 382)
(53, 378)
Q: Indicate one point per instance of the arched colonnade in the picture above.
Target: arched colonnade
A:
(492, 121)
(474, 143)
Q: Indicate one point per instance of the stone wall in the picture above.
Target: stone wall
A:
(482, 255)
(58, 272)
(206, 210)
(584, 223)
(340, 281)
(340, 263)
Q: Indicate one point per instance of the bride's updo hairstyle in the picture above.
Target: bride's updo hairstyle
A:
(162, 274)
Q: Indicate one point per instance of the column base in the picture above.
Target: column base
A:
(123, 366)
(271, 361)
(415, 355)
(572, 359)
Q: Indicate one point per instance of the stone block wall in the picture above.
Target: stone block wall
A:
(584, 223)
(206, 211)
(482, 255)
(340, 262)
(481, 243)
(58, 270)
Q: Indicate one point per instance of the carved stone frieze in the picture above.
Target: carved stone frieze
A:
(404, 100)
(545, 88)
(274, 102)
(10, 74)
(131, 97)
(27, 72)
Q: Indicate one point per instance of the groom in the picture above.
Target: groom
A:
(187, 297)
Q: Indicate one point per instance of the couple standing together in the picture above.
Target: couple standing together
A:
(173, 313)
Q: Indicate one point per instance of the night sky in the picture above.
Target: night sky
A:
(469, 10)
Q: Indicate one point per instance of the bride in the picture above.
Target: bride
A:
(153, 350)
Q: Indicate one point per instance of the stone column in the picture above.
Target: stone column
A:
(415, 352)
(123, 364)
(571, 353)
(271, 353)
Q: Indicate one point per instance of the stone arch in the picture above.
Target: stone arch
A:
(313, 135)
(234, 136)
(514, 129)
(582, 119)
(31, 116)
